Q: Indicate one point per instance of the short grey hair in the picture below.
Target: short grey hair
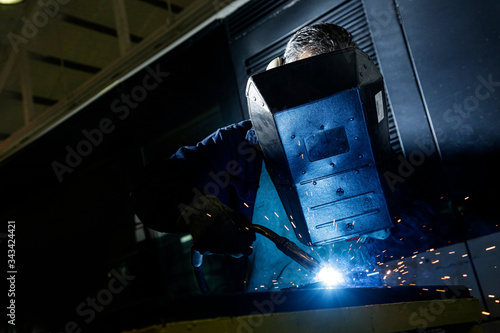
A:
(317, 39)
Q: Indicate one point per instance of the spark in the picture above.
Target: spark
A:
(276, 214)
(451, 252)
(286, 228)
(466, 198)
(464, 255)
(435, 261)
(293, 225)
(440, 290)
(209, 215)
(445, 278)
(266, 217)
(490, 248)
(245, 204)
(485, 313)
(491, 296)
(465, 275)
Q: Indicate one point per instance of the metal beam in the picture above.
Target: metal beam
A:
(7, 69)
(26, 87)
(122, 29)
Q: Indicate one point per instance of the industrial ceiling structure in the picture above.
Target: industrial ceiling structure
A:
(57, 55)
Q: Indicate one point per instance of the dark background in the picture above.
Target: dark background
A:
(70, 235)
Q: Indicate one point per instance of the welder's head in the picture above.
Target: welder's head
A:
(321, 123)
(317, 39)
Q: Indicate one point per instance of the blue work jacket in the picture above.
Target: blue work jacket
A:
(226, 164)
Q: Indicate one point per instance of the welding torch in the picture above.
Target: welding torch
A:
(282, 243)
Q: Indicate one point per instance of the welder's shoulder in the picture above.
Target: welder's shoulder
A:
(232, 134)
(240, 128)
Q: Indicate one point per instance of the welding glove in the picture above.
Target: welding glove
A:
(216, 228)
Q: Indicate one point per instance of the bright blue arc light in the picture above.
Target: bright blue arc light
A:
(329, 276)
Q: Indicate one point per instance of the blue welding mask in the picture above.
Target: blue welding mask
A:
(322, 125)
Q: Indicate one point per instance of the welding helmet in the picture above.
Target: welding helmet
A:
(322, 125)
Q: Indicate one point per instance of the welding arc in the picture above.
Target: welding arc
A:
(282, 243)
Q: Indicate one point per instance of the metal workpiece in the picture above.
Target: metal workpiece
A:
(322, 125)
(397, 309)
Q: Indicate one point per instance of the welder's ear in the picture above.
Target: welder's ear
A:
(275, 63)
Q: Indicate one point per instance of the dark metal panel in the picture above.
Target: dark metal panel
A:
(455, 46)
(401, 84)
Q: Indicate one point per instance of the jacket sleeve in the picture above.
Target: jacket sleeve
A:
(216, 165)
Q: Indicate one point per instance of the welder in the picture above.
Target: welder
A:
(215, 189)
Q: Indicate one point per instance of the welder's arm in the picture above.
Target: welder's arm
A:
(163, 200)
(168, 190)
